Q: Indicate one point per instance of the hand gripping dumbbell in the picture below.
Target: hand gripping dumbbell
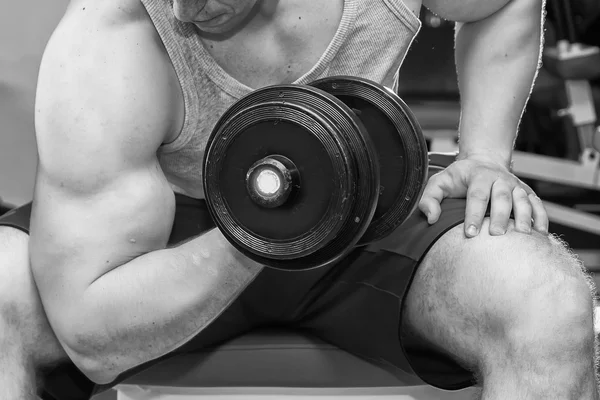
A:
(296, 176)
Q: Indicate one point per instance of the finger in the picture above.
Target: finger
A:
(502, 202)
(540, 215)
(522, 210)
(478, 196)
(432, 198)
(527, 188)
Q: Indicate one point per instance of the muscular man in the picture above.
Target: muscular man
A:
(123, 266)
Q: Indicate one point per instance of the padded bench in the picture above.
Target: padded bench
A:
(277, 364)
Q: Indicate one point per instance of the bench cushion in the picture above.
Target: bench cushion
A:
(271, 358)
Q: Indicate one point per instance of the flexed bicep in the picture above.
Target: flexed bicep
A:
(101, 198)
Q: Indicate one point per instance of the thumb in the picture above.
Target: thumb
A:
(431, 200)
(431, 208)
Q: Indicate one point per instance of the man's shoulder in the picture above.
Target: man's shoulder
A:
(105, 56)
(109, 14)
(91, 27)
(116, 28)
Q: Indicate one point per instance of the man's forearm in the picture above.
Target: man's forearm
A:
(157, 302)
(497, 60)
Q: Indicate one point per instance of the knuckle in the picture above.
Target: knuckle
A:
(474, 215)
(435, 177)
(436, 181)
(519, 192)
(479, 194)
(522, 201)
(503, 195)
(526, 188)
(535, 199)
(426, 198)
(500, 214)
(431, 185)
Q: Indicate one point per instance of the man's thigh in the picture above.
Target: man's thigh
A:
(358, 306)
(466, 291)
(14, 260)
(21, 310)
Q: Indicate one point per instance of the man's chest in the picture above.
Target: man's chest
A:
(284, 48)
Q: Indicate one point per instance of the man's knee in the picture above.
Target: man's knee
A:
(13, 245)
(15, 273)
(23, 322)
(515, 280)
(16, 283)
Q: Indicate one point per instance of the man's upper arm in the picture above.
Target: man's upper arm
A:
(103, 108)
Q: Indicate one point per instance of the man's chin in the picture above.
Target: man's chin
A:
(216, 30)
(218, 26)
(225, 25)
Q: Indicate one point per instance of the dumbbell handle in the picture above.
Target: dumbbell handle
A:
(271, 180)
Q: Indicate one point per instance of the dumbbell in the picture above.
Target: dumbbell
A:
(296, 176)
(399, 143)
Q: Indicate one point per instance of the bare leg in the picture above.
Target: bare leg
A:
(27, 343)
(515, 309)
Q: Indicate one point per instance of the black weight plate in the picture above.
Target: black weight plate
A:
(328, 214)
(309, 220)
(400, 145)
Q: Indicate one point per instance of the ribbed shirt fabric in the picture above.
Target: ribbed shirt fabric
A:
(371, 42)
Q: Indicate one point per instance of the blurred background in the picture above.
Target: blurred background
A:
(25, 27)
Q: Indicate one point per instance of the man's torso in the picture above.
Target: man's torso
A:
(288, 41)
(280, 44)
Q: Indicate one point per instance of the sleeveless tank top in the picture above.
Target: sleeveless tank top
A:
(371, 42)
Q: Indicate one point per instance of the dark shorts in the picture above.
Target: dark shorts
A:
(355, 305)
